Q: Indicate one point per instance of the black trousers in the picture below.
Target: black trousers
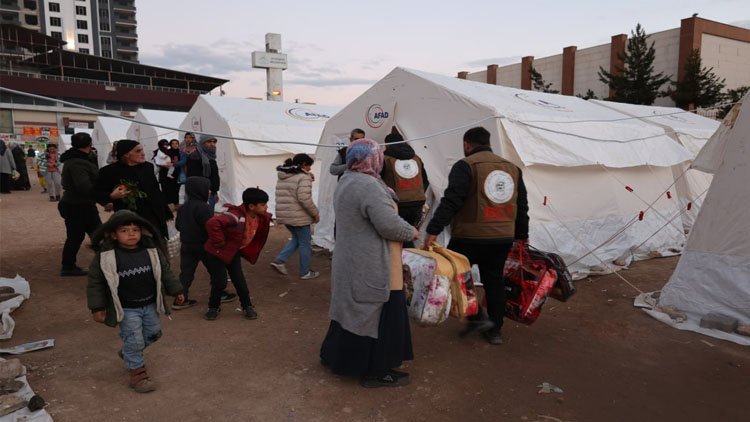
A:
(5, 182)
(411, 214)
(190, 256)
(490, 258)
(80, 219)
(218, 271)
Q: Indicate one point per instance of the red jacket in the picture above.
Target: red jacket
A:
(226, 231)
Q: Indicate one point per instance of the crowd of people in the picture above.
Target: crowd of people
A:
(378, 205)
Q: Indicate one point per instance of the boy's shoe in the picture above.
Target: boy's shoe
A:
(140, 381)
(186, 304)
(228, 297)
(73, 272)
(280, 267)
(212, 314)
(493, 336)
(250, 312)
(476, 325)
(387, 380)
(310, 275)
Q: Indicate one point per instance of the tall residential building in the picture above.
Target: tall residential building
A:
(105, 28)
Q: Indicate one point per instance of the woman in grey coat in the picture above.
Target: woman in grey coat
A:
(369, 333)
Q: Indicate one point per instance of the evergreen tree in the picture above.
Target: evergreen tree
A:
(588, 96)
(538, 82)
(732, 96)
(636, 83)
(700, 87)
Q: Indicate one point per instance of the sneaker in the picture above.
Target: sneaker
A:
(493, 336)
(480, 325)
(310, 275)
(186, 304)
(212, 313)
(228, 297)
(73, 272)
(280, 267)
(387, 380)
(250, 312)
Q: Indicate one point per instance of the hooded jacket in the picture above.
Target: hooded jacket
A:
(194, 213)
(227, 230)
(294, 204)
(78, 177)
(101, 291)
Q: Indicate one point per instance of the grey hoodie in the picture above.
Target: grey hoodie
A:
(193, 214)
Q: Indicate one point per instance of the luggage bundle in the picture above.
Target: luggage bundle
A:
(441, 283)
(531, 276)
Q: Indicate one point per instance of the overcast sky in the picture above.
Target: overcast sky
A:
(337, 48)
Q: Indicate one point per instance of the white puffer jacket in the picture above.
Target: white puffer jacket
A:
(294, 204)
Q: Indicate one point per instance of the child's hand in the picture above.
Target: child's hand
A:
(99, 316)
(179, 299)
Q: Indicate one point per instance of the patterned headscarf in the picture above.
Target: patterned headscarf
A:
(365, 156)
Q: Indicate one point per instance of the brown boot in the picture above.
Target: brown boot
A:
(140, 381)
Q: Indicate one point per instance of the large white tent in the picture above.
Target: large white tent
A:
(590, 171)
(713, 274)
(149, 135)
(106, 131)
(691, 131)
(252, 161)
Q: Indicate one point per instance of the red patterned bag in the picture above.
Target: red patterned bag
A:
(528, 282)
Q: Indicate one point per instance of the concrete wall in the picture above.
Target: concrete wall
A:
(477, 76)
(551, 70)
(667, 46)
(509, 76)
(588, 61)
(729, 58)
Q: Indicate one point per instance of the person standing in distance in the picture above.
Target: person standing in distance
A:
(486, 206)
(338, 167)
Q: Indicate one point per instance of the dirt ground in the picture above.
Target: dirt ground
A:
(613, 362)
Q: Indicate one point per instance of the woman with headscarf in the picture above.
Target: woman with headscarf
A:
(167, 179)
(130, 183)
(369, 332)
(202, 163)
(19, 156)
(7, 166)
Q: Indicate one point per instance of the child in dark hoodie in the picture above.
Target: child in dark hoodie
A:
(239, 232)
(128, 279)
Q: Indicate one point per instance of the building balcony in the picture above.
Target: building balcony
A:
(126, 48)
(126, 34)
(124, 6)
(9, 5)
(125, 22)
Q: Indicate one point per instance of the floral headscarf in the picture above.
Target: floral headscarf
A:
(365, 156)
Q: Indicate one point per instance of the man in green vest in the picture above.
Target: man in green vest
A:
(403, 171)
(485, 204)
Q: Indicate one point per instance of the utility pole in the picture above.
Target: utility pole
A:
(274, 61)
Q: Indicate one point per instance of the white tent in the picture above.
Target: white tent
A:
(713, 274)
(589, 170)
(691, 131)
(106, 131)
(149, 135)
(244, 163)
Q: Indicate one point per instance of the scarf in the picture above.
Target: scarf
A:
(207, 154)
(365, 156)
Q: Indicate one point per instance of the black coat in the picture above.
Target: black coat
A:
(194, 213)
(194, 167)
(153, 207)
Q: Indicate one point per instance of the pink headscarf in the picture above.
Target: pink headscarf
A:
(365, 156)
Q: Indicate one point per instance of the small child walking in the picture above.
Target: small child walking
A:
(127, 282)
(241, 231)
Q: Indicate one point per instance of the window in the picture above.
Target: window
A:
(30, 4)
(53, 21)
(107, 54)
(54, 7)
(82, 24)
(81, 10)
(104, 13)
(31, 20)
(104, 26)
(106, 41)
(84, 50)
(56, 35)
(83, 38)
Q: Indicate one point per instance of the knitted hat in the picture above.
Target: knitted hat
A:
(124, 146)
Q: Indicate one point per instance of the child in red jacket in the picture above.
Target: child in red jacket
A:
(241, 231)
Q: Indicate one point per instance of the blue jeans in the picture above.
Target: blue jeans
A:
(302, 239)
(213, 197)
(139, 328)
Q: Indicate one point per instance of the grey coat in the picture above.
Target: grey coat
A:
(7, 163)
(360, 280)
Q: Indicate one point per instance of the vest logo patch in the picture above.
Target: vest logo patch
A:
(503, 212)
(407, 169)
(499, 186)
(411, 184)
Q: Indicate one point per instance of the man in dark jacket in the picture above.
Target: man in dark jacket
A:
(77, 206)
(202, 162)
(403, 171)
(131, 169)
(486, 206)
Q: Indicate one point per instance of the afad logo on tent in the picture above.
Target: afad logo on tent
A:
(540, 102)
(376, 116)
(306, 114)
